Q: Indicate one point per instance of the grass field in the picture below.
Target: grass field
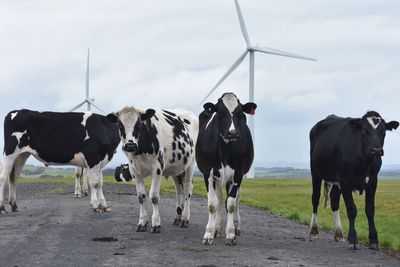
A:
(291, 198)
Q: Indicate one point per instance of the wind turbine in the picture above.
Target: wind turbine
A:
(251, 49)
(89, 101)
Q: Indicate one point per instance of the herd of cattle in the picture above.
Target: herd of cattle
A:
(345, 153)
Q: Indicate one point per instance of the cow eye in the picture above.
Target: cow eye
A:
(364, 132)
(240, 115)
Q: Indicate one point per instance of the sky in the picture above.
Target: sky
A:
(171, 53)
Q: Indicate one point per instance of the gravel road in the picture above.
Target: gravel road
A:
(54, 229)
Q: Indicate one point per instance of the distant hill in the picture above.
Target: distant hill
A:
(32, 171)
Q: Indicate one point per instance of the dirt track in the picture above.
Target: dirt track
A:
(54, 229)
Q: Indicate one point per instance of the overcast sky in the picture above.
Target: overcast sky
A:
(169, 54)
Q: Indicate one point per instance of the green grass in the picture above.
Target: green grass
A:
(291, 198)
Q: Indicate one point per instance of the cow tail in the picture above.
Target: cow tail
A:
(327, 190)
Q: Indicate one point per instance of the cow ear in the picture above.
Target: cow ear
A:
(112, 117)
(392, 125)
(210, 107)
(356, 123)
(149, 113)
(249, 108)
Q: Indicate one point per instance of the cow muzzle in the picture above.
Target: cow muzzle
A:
(232, 136)
(376, 151)
(130, 147)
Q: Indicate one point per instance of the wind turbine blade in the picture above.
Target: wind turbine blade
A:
(77, 106)
(273, 51)
(227, 73)
(241, 21)
(87, 75)
(91, 103)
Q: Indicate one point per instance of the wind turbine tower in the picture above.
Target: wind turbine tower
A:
(251, 49)
(88, 101)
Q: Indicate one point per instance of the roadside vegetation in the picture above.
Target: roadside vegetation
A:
(291, 198)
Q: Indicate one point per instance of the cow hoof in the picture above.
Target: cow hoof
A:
(353, 246)
(77, 195)
(339, 236)
(3, 210)
(237, 232)
(105, 208)
(230, 241)
(374, 247)
(141, 228)
(208, 241)
(313, 233)
(156, 229)
(14, 207)
(177, 222)
(86, 193)
(185, 224)
(98, 210)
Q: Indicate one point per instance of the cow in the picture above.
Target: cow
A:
(86, 140)
(122, 173)
(159, 143)
(224, 154)
(346, 153)
(81, 173)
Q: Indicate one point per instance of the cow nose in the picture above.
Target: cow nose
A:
(130, 147)
(377, 151)
(233, 134)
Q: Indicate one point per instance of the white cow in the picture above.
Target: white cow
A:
(159, 143)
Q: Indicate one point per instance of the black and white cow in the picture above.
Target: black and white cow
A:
(224, 153)
(81, 173)
(159, 143)
(85, 140)
(122, 173)
(346, 152)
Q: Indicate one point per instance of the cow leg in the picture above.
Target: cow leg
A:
(14, 175)
(236, 218)
(351, 214)
(178, 184)
(213, 203)
(370, 212)
(219, 212)
(6, 168)
(187, 191)
(100, 196)
(231, 206)
(335, 200)
(85, 187)
(95, 185)
(316, 193)
(78, 175)
(154, 195)
(141, 193)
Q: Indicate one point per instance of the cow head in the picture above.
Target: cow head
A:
(130, 121)
(372, 129)
(229, 116)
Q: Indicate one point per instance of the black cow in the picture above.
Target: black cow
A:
(346, 152)
(224, 153)
(82, 139)
(122, 173)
